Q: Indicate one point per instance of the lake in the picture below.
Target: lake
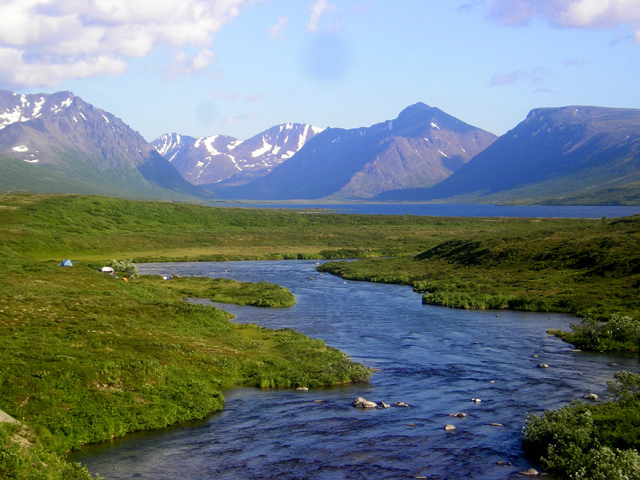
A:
(456, 210)
(432, 358)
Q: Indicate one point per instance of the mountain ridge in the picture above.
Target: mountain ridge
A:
(60, 134)
(555, 154)
(226, 160)
(410, 150)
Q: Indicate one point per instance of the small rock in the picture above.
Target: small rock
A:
(543, 365)
(495, 424)
(302, 389)
(531, 471)
(458, 414)
(318, 401)
(477, 400)
(449, 428)
(411, 424)
(400, 404)
(384, 405)
(576, 350)
(535, 356)
(500, 462)
(492, 381)
(361, 402)
(591, 396)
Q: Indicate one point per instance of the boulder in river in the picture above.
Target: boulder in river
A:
(362, 402)
(591, 396)
(530, 472)
(449, 428)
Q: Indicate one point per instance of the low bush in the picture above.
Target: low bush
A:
(620, 333)
(590, 442)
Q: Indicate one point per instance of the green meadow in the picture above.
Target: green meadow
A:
(87, 357)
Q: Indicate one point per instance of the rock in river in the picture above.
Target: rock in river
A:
(362, 402)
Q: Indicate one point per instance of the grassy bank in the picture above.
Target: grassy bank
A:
(575, 268)
(223, 290)
(87, 357)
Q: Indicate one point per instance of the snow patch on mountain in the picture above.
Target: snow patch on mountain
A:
(266, 147)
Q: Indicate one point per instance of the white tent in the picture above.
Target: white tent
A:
(106, 269)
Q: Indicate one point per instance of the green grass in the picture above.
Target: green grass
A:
(99, 228)
(87, 357)
(224, 290)
(574, 267)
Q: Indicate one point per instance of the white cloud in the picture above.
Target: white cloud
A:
(317, 9)
(203, 59)
(588, 14)
(45, 42)
(276, 31)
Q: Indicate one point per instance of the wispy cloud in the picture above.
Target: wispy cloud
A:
(234, 120)
(43, 43)
(534, 76)
(587, 14)
(317, 10)
(276, 32)
(254, 97)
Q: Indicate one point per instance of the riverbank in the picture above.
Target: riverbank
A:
(88, 357)
(579, 269)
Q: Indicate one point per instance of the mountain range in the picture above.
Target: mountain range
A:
(229, 161)
(567, 155)
(57, 143)
(419, 148)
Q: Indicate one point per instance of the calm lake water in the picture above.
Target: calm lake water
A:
(432, 358)
(458, 210)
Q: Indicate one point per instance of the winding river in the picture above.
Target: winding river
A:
(432, 358)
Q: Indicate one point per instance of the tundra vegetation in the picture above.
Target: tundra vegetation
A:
(88, 357)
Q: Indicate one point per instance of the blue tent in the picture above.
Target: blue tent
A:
(65, 263)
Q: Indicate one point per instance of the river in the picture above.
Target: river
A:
(432, 358)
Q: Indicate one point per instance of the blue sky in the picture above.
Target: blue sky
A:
(238, 67)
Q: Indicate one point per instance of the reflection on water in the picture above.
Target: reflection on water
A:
(434, 359)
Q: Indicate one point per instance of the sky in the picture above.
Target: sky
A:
(239, 67)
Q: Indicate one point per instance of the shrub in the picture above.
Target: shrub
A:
(123, 266)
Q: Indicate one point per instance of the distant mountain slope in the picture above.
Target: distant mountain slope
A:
(71, 146)
(219, 158)
(570, 155)
(421, 147)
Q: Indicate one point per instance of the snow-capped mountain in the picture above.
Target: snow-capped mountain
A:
(227, 160)
(73, 147)
(419, 148)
